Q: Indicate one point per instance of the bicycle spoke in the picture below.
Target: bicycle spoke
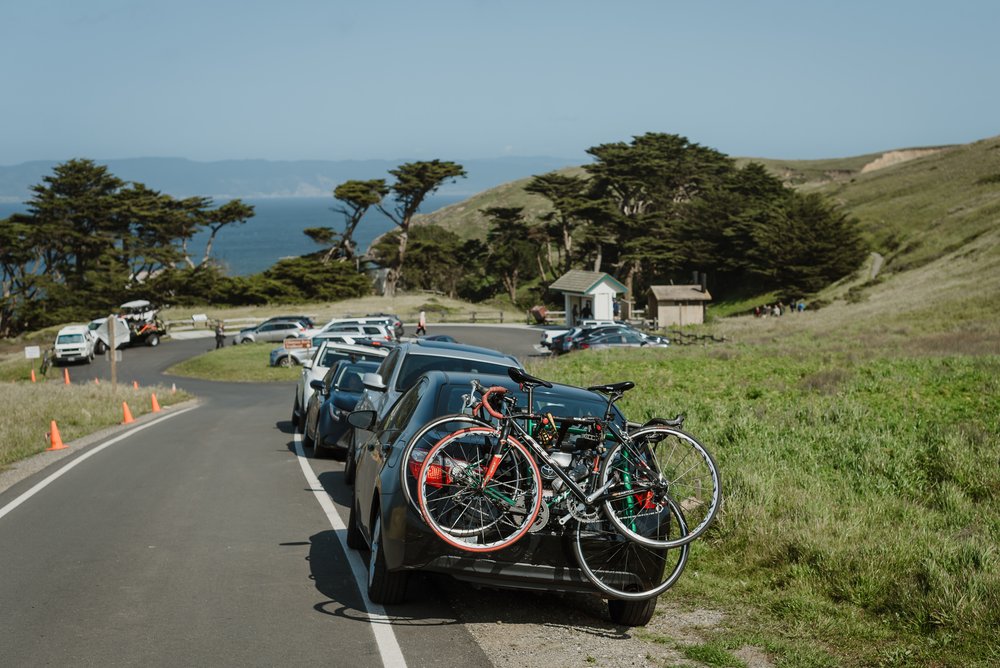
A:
(476, 493)
(662, 466)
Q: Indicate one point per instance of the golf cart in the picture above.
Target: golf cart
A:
(143, 322)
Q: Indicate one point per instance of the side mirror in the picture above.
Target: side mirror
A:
(317, 385)
(307, 364)
(373, 381)
(361, 419)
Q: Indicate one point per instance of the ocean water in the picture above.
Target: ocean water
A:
(275, 231)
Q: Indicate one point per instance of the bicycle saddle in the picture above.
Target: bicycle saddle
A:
(521, 377)
(613, 388)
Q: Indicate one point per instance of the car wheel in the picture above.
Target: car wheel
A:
(355, 540)
(350, 466)
(308, 442)
(286, 361)
(383, 586)
(99, 348)
(631, 613)
(153, 340)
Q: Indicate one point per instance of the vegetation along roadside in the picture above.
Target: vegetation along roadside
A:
(78, 410)
(862, 497)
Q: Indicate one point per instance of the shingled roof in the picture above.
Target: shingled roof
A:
(578, 280)
(679, 293)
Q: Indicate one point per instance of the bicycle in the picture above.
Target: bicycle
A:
(480, 488)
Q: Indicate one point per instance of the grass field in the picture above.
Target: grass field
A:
(78, 410)
(862, 496)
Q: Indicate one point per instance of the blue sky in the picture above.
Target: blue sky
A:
(409, 79)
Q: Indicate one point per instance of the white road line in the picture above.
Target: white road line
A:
(87, 455)
(385, 638)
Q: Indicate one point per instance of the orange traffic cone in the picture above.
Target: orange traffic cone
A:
(32, 375)
(65, 376)
(97, 381)
(135, 385)
(156, 404)
(127, 413)
(55, 440)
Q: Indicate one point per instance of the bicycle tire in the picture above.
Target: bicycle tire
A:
(624, 569)
(660, 464)
(474, 500)
(422, 441)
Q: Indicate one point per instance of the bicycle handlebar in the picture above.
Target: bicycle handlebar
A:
(486, 392)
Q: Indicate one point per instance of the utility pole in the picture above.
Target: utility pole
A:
(112, 323)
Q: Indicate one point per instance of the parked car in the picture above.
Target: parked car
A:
(392, 325)
(333, 398)
(362, 330)
(440, 337)
(324, 357)
(551, 332)
(384, 519)
(410, 360)
(74, 343)
(623, 339)
(297, 356)
(279, 330)
(393, 321)
(306, 321)
(571, 340)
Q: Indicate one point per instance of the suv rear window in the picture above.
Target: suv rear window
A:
(415, 365)
(331, 357)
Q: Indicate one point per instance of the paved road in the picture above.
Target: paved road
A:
(198, 541)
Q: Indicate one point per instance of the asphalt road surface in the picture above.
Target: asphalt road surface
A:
(198, 540)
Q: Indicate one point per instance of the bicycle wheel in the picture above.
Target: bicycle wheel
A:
(476, 494)
(655, 466)
(623, 569)
(422, 441)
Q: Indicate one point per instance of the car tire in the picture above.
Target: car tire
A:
(285, 362)
(384, 586)
(153, 340)
(99, 348)
(350, 466)
(308, 442)
(355, 540)
(631, 613)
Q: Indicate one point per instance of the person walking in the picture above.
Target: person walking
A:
(421, 324)
(220, 335)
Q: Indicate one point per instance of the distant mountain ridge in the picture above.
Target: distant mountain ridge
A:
(224, 179)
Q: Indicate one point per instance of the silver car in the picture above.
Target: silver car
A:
(270, 331)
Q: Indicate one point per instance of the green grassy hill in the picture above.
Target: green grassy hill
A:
(932, 209)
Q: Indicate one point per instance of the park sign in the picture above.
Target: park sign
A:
(32, 352)
(297, 344)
